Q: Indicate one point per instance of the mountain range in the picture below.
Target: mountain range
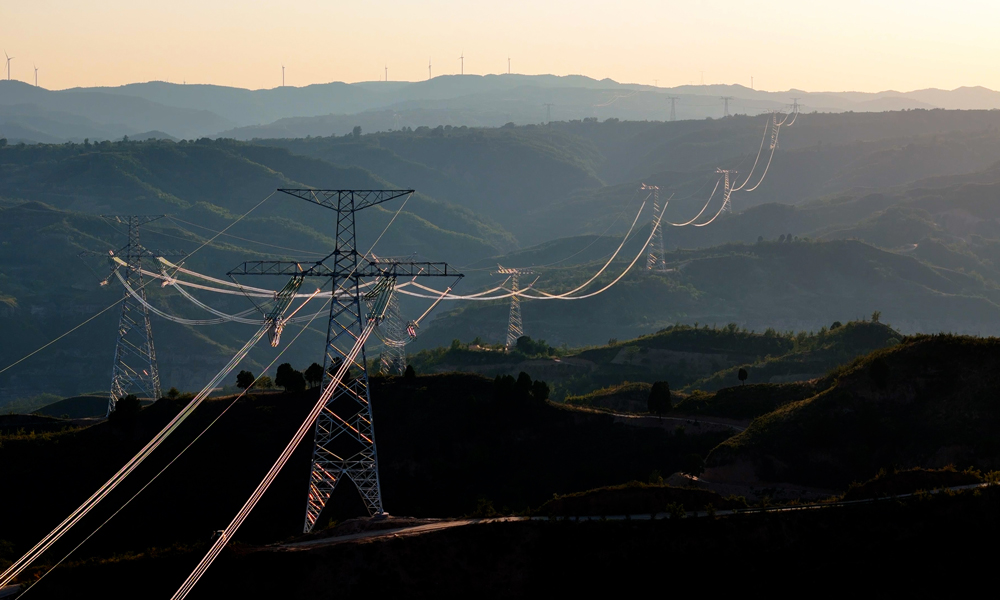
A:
(179, 111)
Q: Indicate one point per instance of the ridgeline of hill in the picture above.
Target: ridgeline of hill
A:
(926, 402)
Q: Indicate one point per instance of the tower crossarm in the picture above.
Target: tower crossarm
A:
(346, 200)
(364, 270)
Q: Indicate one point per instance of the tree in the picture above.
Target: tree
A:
(314, 374)
(173, 393)
(760, 239)
(356, 132)
(126, 409)
(876, 316)
(540, 390)
(410, 374)
(289, 378)
(836, 324)
(296, 382)
(742, 375)
(782, 238)
(523, 385)
(630, 353)
(264, 382)
(659, 398)
(244, 380)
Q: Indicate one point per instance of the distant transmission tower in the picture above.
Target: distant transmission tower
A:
(345, 430)
(656, 259)
(514, 327)
(135, 370)
(673, 107)
(725, 100)
(548, 112)
(726, 205)
(795, 104)
(775, 128)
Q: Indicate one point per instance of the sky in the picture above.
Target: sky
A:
(814, 45)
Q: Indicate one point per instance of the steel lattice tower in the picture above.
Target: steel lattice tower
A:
(656, 259)
(135, 370)
(727, 206)
(344, 438)
(514, 327)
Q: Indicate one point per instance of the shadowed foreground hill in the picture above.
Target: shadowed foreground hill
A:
(928, 402)
(444, 443)
(502, 560)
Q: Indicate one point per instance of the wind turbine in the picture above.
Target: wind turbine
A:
(387, 73)
(429, 68)
(461, 58)
(36, 75)
(9, 58)
(282, 75)
(508, 65)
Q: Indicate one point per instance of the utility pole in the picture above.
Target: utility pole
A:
(548, 112)
(135, 370)
(514, 327)
(429, 68)
(462, 58)
(655, 260)
(282, 75)
(387, 73)
(673, 107)
(345, 431)
(508, 65)
(725, 100)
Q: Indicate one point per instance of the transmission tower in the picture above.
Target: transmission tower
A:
(795, 104)
(514, 327)
(726, 204)
(725, 100)
(656, 259)
(673, 107)
(548, 112)
(135, 370)
(344, 438)
(775, 128)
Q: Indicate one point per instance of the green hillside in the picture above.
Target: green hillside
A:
(927, 402)
(801, 285)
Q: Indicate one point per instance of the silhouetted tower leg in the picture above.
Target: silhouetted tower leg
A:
(135, 369)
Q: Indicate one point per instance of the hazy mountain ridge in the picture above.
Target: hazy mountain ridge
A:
(199, 110)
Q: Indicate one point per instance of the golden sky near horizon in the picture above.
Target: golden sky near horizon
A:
(817, 45)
